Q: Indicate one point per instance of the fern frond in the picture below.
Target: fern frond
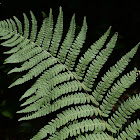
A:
(112, 74)
(97, 64)
(131, 132)
(11, 40)
(34, 27)
(54, 94)
(48, 74)
(14, 27)
(21, 43)
(67, 41)
(115, 92)
(65, 79)
(10, 25)
(57, 35)
(32, 62)
(36, 70)
(19, 25)
(42, 91)
(124, 112)
(23, 54)
(49, 32)
(4, 27)
(41, 34)
(75, 129)
(76, 46)
(7, 36)
(63, 118)
(90, 54)
(26, 26)
(77, 98)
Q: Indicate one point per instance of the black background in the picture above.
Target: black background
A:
(124, 17)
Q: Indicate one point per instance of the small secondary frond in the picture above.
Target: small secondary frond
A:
(62, 119)
(90, 54)
(112, 74)
(75, 129)
(115, 92)
(124, 112)
(76, 46)
(131, 132)
(97, 64)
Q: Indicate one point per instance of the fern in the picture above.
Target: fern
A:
(66, 80)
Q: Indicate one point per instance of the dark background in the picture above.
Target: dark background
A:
(124, 17)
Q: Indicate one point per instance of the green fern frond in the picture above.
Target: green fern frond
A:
(34, 27)
(20, 44)
(112, 74)
(26, 26)
(115, 92)
(76, 46)
(14, 27)
(57, 35)
(11, 40)
(66, 81)
(42, 32)
(75, 129)
(19, 25)
(69, 115)
(90, 54)
(48, 33)
(97, 64)
(49, 74)
(124, 112)
(131, 132)
(10, 25)
(67, 41)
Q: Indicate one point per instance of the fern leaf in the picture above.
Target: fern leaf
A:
(26, 26)
(10, 28)
(48, 74)
(90, 54)
(64, 89)
(11, 40)
(65, 80)
(23, 54)
(57, 35)
(22, 43)
(19, 25)
(36, 70)
(67, 41)
(41, 33)
(63, 118)
(74, 129)
(14, 27)
(112, 74)
(115, 92)
(131, 131)
(32, 62)
(34, 27)
(124, 111)
(77, 98)
(7, 36)
(4, 26)
(76, 46)
(48, 34)
(97, 64)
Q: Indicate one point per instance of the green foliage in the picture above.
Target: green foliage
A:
(66, 81)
